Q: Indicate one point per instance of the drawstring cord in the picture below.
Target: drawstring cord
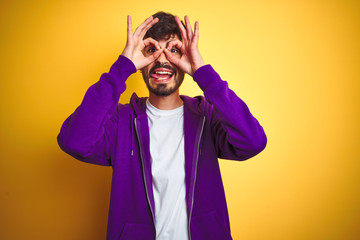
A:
(132, 133)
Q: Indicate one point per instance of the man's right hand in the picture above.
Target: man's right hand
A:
(135, 43)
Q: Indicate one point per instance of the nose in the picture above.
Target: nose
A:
(162, 58)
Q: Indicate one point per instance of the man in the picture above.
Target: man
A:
(163, 149)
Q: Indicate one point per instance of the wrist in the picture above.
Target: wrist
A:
(197, 66)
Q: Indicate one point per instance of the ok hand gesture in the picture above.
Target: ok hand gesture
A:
(190, 59)
(135, 43)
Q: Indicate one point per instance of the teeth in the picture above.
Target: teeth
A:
(160, 72)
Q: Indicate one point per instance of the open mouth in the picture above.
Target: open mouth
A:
(162, 74)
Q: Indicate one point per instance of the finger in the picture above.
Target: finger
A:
(182, 29)
(196, 33)
(129, 28)
(153, 57)
(171, 58)
(143, 25)
(188, 28)
(156, 54)
(152, 41)
(144, 30)
(178, 44)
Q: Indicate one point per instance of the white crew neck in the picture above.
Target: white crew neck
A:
(159, 112)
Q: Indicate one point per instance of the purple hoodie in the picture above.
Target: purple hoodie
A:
(102, 131)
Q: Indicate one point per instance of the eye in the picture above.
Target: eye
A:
(151, 50)
(174, 50)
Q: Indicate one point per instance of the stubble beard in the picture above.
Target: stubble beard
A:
(162, 90)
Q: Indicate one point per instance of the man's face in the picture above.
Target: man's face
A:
(161, 77)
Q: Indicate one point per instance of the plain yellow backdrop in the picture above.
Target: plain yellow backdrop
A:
(294, 62)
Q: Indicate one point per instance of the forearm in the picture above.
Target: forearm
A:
(243, 130)
(83, 128)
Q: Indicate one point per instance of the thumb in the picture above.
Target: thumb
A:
(152, 58)
(156, 54)
(171, 58)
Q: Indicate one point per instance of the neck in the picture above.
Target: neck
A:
(166, 103)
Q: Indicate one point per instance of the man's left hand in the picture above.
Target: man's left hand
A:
(190, 59)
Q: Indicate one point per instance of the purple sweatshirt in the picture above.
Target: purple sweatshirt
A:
(102, 131)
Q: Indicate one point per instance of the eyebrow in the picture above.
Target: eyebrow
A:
(167, 43)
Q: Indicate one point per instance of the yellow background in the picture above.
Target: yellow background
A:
(295, 63)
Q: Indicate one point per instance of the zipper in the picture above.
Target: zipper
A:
(142, 163)
(196, 162)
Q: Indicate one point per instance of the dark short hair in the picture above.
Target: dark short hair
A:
(165, 28)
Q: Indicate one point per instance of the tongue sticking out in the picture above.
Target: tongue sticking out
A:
(162, 75)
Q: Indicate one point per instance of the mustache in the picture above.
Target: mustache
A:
(163, 66)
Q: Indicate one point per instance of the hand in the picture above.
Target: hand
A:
(135, 43)
(190, 59)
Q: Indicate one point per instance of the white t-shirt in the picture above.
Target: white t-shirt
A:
(168, 171)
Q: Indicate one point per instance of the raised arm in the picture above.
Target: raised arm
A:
(88, 132)
(190, 59)
(237, 133)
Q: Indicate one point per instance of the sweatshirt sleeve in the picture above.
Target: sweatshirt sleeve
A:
(238, 135)
(87, 133)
